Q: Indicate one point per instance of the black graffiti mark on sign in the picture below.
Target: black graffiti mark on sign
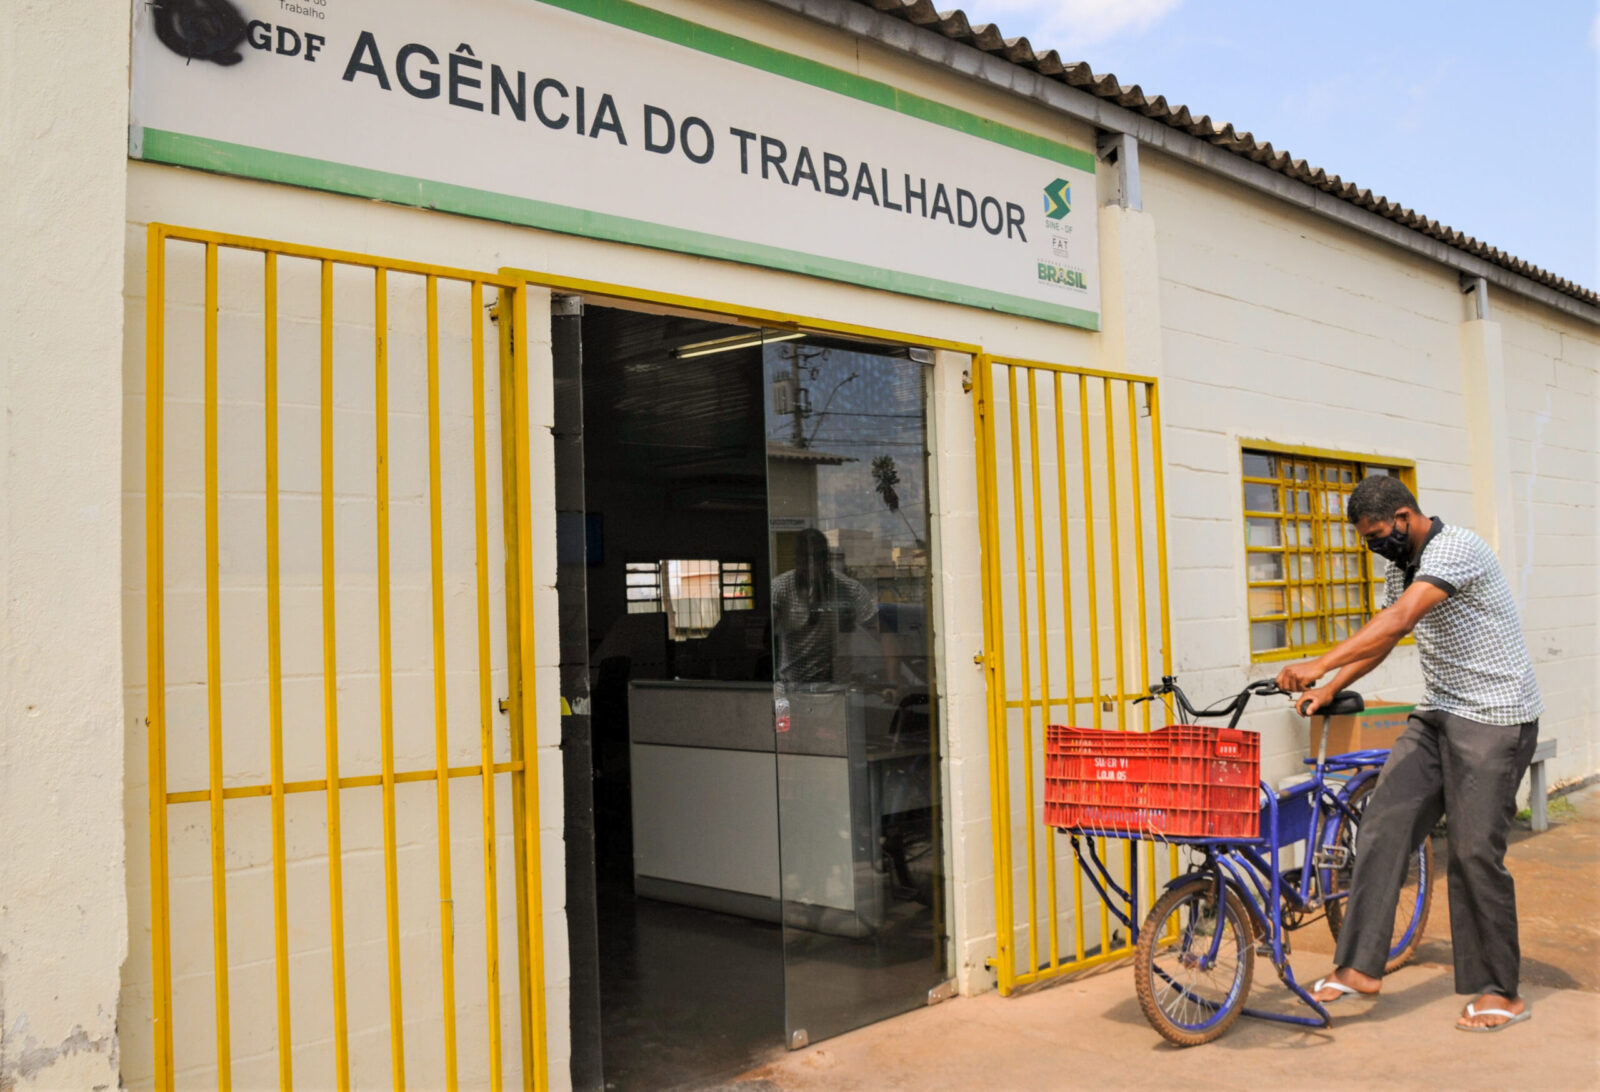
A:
(200, 30)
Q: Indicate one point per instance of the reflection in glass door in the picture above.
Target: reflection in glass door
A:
(859, 802)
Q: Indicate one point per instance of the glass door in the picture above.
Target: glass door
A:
(860, 818)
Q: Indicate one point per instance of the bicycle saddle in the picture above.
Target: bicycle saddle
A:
(1344, 703)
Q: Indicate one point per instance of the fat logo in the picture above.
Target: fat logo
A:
(200, 30)
(1057, 199)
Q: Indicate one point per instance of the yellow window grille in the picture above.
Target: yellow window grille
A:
(1310, 581)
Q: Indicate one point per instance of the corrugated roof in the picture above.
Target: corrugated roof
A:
(989, 38)
(788, 453)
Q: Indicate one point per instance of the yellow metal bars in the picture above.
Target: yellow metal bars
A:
(1022, 660)
(1066, 613)
(441, 745)
(391, 862)
(994, 666)
(1101, 512)
(1139, 582)
(280, 879)
(513, 577)
(1093, 587)
(1113, 506)
(524, 686)
(155, 318)
(1044, 658)
(330, 685)
(1089, 550)
(222, 719)
(320, 784)
(1152, 396)
(1116, 555)
(480, 494)
(219, 883)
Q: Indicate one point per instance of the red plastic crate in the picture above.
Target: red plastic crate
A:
(1182, 781)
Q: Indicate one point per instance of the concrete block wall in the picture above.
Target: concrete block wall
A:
(962, 699)
(1552, 398)
(1280, 326)
(63, 925)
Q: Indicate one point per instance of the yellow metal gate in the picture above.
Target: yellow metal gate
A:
(1075, 622)
(340, 684)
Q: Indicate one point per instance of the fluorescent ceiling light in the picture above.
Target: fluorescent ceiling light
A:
(729, 344)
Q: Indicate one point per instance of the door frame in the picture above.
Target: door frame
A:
(602, 293)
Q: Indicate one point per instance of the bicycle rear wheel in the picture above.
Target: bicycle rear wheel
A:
(1188, 996)
(1416, 890)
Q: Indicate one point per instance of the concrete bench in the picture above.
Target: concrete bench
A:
(1538, 795)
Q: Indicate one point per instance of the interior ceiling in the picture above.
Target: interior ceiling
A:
(651, 415)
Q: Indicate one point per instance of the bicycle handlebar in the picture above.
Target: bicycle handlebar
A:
(1235, 705)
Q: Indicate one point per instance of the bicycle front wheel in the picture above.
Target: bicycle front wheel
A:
(1416, 890)
(1194, 963)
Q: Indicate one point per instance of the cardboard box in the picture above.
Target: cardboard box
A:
(1378, 726)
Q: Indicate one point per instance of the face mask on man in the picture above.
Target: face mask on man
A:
(1394, 547)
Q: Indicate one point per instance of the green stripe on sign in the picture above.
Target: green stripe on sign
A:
(182, 150)
(670, 28)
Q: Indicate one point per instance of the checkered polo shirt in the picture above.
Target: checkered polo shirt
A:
(1475, 663)
(808, 635)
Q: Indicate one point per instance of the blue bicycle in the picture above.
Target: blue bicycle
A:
(1196, 950)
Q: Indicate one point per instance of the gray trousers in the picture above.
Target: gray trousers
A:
(1444, 764)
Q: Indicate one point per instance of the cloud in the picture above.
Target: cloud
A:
(1070, 25)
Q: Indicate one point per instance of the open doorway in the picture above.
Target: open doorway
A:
(751, 589)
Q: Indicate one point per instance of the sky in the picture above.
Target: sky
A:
(1482, 116)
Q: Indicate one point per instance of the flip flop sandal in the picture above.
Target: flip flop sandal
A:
(1511, 1018)
(1339, 988)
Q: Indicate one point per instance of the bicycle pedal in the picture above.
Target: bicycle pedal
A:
(1336, 857)
(1264, 947)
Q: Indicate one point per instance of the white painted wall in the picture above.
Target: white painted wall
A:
(1552, 406)
(958, 633)
(63, 101)
(1281, 327)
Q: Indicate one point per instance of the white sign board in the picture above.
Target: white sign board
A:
(606, 119)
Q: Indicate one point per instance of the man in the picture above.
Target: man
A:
(812, 605)
(1463, 752)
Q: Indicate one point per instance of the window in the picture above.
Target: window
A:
(738, 586)
(693, 593)
(644, 587)
(1311, 582)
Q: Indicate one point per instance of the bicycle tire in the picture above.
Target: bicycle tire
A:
(1416, 889)
(1159, 1005)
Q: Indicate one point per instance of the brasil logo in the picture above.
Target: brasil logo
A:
(1057, 199)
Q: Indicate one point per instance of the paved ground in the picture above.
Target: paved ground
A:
(1089, 1033)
